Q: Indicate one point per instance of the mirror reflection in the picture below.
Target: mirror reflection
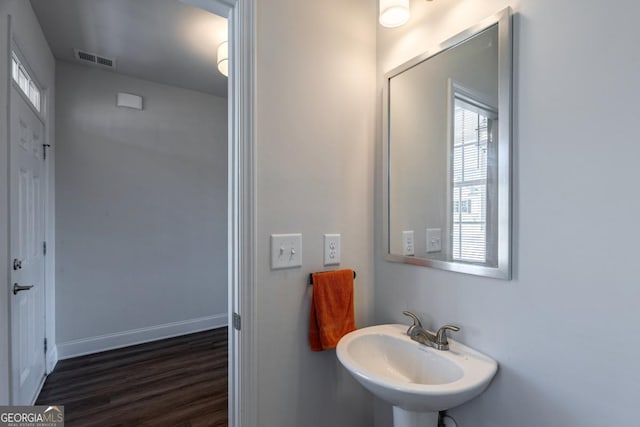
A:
(444, 158)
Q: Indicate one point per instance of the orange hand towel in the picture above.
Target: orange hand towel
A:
(331, 309)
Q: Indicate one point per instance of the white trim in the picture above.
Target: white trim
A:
(243, 360)
(242, 227)
(106, 342)
(38, 390)
(52, 359)
(6, 380)
(49, 237)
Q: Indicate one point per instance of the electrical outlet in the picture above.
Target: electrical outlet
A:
(434, 240)
(331, 249)
(286, 250)
(407, 243)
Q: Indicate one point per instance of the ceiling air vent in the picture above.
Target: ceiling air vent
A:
(104, 61)
(92, 58)
(86, 57)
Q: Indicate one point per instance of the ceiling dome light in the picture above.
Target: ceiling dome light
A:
(394, 13)
(223, 58)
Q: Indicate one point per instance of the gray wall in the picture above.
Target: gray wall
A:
(31, 41)
(141, 210)
(565, 329)
(315, 164)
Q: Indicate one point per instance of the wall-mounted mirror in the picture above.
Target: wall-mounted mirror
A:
(447, 132)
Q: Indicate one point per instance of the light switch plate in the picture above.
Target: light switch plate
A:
(434, 240)
(331, 249)
(286, 250)
(408, 243)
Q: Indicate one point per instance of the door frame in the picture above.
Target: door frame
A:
(243, 359)
(241, 207)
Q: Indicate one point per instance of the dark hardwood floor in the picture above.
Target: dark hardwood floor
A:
(174, 382)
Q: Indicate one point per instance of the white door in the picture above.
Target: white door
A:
(27, 233)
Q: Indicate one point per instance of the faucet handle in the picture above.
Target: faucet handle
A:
(416, 321)
(441, 335)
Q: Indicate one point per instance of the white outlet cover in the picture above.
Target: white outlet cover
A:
(408, 246)
(331, 249)
(434, 240)
(286, 250)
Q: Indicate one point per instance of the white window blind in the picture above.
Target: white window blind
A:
(469, 182)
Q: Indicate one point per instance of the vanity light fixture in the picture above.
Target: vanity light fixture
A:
(223, 58)
(394, 13)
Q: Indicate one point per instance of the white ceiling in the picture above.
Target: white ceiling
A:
(165, 41)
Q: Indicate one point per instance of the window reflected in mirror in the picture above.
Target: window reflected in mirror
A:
(472, 183)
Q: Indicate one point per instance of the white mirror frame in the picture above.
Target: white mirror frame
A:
(503, 269)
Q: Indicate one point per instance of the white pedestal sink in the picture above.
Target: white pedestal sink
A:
(417, 380)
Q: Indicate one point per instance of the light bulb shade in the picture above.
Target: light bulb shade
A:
(394, 13)
(223, 58)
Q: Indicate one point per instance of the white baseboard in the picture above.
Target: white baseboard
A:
(52, 359)
(38, 390)
(106, 342)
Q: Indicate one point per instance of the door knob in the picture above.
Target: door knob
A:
(17, 288)
(17, 264)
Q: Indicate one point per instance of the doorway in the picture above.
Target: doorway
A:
(126, 177)
(241, 209)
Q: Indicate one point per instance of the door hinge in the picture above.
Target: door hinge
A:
(44, 151)
(237, 321)
(44, 248)
(45, 346)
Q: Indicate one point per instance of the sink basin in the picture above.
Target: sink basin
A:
(417, 380)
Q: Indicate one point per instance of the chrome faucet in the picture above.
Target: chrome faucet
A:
(438, 340)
